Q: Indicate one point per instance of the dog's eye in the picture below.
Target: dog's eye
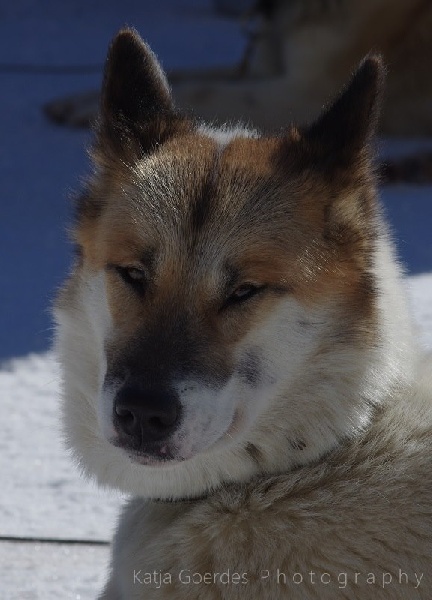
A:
(133, 276)
(243, 293)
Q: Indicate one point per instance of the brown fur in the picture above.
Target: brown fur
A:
(325, 246)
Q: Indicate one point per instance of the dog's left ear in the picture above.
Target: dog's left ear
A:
(346, 127)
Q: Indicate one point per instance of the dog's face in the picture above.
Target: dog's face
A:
(217, 272)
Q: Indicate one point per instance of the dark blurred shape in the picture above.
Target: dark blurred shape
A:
(415, 169)
(230, 8)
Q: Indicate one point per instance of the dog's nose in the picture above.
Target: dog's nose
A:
(146, 415)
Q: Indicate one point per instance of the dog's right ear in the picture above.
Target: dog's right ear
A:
(134, 87)
(137, 109)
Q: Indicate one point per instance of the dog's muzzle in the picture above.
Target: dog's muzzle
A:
(145, 418)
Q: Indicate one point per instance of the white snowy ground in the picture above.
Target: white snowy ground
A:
(41, 493)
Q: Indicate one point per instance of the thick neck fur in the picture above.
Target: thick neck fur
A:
(338, 398)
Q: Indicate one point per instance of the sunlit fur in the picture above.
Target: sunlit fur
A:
(298, 403)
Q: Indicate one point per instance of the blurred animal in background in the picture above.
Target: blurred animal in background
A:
(298, 52)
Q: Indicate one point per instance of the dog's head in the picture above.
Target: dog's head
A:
(223, 289)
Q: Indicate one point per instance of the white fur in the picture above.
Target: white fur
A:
(226, 134)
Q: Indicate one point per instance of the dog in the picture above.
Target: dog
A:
(237, 353)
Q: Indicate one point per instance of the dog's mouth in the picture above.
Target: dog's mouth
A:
(152, 455)
(150, 460)
(165, 454)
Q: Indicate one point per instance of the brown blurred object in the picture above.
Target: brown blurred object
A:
(299, 53)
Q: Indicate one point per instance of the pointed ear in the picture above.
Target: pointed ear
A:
(134, 88)
(346, 127)
(137, 111)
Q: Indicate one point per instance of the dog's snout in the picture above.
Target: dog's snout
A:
(146, 415)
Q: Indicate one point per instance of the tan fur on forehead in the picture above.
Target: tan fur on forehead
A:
(254, 154)
(285, 226)
(125, 192)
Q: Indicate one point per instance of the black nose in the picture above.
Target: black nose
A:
(145, 415)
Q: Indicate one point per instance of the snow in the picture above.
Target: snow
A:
(42, 495)
(51, 571)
